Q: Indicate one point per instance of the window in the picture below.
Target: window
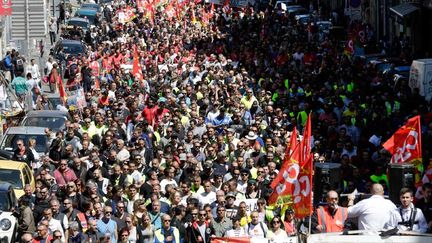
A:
(13, 177)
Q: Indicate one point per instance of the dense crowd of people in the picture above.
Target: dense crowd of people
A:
(164, 158)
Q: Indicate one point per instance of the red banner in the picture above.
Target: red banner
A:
(230, 240)
(6, 7)
(405, 144)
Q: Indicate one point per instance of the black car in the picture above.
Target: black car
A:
(68, 48)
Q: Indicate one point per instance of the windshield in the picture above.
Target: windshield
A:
(91, 18)
(82, 24)
(5, 203)
(11, 176)
(9, 143)
(52, 122)
(73, 49)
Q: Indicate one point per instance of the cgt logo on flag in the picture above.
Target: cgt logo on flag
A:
(6, 7)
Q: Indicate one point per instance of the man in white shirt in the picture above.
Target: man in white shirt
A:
(255, 228)
(53, 224)
(373, 213)
(208, 196)
(237, 230)
(407, 217)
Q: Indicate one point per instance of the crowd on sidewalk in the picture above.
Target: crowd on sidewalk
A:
(163, 153)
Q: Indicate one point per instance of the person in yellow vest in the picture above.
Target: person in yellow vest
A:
(248, 99)
(332, 217)
(167, 233)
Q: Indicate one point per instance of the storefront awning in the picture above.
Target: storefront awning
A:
(404, 9)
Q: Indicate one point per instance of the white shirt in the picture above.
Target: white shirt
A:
(236, 232)
(34, 69)
(256, 230)
(166, 182)
(420, 224)
(373, 213)
(54, 225)
(241, 186)
(207, 198)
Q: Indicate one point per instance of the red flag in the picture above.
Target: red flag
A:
(62, 92)
(286, 181)
(136, 69)
(302, 195)
(405, 144)
(305, 145)
(6, 8)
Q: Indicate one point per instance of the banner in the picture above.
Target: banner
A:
(6, 8)
(405, 144)
(292, 239)
(251, 204)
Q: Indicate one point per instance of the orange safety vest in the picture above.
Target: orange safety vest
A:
(329, 223)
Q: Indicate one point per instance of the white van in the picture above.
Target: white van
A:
(421, 77)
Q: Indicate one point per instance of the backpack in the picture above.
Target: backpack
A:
(19, 65)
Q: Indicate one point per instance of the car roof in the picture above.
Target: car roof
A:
(324, 22)
(78, 19)
(93, 5)
(52, 95)
(5, 186)
(47, 113)
(26, 130)
(12, 165)
(67, 41)
(86, 11)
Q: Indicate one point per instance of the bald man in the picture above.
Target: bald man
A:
(373, 213)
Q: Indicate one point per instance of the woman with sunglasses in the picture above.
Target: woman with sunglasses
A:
(276, 231)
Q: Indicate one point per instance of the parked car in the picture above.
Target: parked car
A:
(382, 64)
(70, 48)
(18, 174)
(83, 23)
(303, 18)
(279, 3)
(296, 10)
(324, 26)
(8, 222)
(53, 119)
(12, 134)
(89, 14)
